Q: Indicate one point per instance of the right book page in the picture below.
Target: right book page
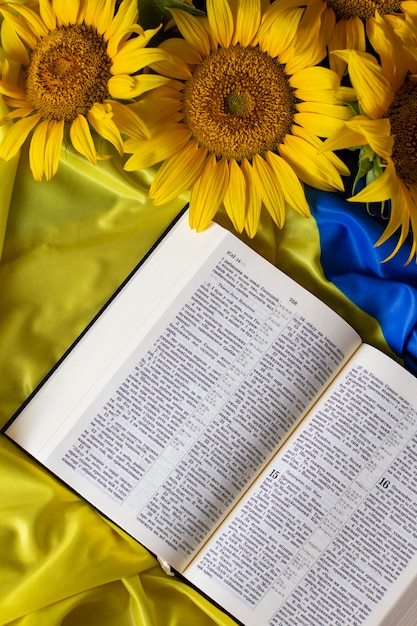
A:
(328, 533)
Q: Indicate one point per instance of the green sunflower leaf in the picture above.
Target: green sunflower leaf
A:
(154, 12)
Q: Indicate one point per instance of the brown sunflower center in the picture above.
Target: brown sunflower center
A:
(403, 117)
(364, 9)
(238, 103)
(68, 72)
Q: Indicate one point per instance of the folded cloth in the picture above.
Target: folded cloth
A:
(350, 260)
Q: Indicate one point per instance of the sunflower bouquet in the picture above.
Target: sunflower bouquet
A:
(240, 103)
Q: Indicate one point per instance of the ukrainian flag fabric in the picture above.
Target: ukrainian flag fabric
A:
(386, 290)
(67, 245)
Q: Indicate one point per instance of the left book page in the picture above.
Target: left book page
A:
(184, 387)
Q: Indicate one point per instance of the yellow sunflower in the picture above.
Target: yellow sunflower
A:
(241, 121)
(69, 63)
(386, 135)
(354, 23)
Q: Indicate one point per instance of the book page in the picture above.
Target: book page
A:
(328, 533)
(201, 402)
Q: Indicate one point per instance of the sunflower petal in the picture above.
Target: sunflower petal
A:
(82, 140)
(269, 189)
(35, 22)
(275, 11)
(16, 113)
(338, 38)
(382, 188)
(409, 7)
(275, 36)
(66, 12)
(171, 90)
(92, 10)
(53, 145)
(317, 143)
(16, 135)
(45, 149)
(139, 40)
(21, 28)
(104, 15)
(193, 30)
(291, 186)
(347, 33)
(130, 58)
(307, 48)
(12, 45)
(158, 110)
(125, 87)
(174, 68)
(360, 131)
(321, 125)
(413, 220)
(37, 150)
(346, 94)
(235, 198)
(182, 49)
(337, 41)
(344, 137)
(253, 200)
(10, 90)
(312, 168)
(399, 218)
(47, 14)
(100, 117)
(157, 149)
(337, 111)
(318, 84)
(394, 58)
(127, 120)
(355, 34)
(208, 192)
(247, 21)
(375, 93)
(127, 14)
(180, 55)
(220, 19)
(401, 207)
(178, 173)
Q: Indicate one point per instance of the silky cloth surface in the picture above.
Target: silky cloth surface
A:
(386, 290)
(68, 245)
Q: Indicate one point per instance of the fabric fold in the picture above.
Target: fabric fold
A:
(387, 291)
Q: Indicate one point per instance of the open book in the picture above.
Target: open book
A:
(239, 429)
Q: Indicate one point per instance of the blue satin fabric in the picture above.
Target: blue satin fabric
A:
(385, 290)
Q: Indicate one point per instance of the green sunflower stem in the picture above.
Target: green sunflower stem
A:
(370, 165)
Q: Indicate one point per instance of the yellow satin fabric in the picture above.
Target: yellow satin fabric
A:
(68, 245)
